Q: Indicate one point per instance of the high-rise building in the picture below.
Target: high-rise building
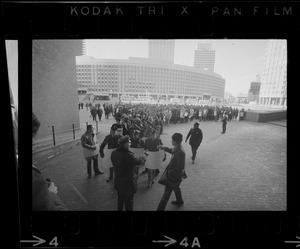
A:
(253, 93)
(274, 78)
(162, 50)
(204, 57)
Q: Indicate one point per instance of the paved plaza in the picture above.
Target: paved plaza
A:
(243, 169)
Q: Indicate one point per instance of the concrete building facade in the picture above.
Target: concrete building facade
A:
(273, 89)
(54, 85)
(140, 76)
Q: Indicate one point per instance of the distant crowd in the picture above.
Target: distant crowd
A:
(146, 116)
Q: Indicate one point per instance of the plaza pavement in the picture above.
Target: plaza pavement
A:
(243, 169)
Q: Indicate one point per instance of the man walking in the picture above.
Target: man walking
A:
(174, 171)
(90, 144)
(196, 137)
(124, 165)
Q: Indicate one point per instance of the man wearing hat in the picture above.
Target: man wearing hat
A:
(196, 137)
(111, 141)
(175, 172)
(89, 144)
(124, 164)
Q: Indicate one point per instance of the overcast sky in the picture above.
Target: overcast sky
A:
(237, 61)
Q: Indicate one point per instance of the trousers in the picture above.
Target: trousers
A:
(194, 151)
(125, 199)
(224, 127)
(166, 196)
(95, 164)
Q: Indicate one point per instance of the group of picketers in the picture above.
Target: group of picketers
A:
(124, 164)
(146, 138)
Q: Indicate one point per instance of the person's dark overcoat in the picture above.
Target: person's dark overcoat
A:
(124, 164)
(196, 136)
(176, 165)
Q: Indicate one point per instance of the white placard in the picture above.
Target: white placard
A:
(154, 159)
(89, 153)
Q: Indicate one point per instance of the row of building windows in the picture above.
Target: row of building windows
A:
(160, 79)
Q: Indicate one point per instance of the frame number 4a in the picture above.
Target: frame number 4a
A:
(195, 243)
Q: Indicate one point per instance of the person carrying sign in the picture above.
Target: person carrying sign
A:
(90, 147)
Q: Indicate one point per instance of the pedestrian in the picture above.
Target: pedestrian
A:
(174, 172)
(106, 111)
(196, 137)
(93, 113)
(151, 145)
(111, 141)
(124, 164)
(99, 112)
(224, 123)
(44, 191)
(90, 145)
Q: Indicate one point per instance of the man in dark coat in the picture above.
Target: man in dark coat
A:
(99, 112)
(124, 165)
(94, 113)
(175, 172)
(111, 141)
(196, 139)
(224, 123)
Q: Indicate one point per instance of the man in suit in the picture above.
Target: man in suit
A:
(196, 137)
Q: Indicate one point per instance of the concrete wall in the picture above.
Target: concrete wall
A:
(265, 116)
(54, 85)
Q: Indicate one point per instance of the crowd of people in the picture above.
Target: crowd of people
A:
(139, 126)
(142, 125)
(167, 114)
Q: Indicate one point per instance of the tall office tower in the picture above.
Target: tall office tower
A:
(274, 78)
(204, 57)
(161, 50)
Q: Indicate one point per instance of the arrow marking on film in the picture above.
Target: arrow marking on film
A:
(39, 241)
(169, 242)
(297, 242)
